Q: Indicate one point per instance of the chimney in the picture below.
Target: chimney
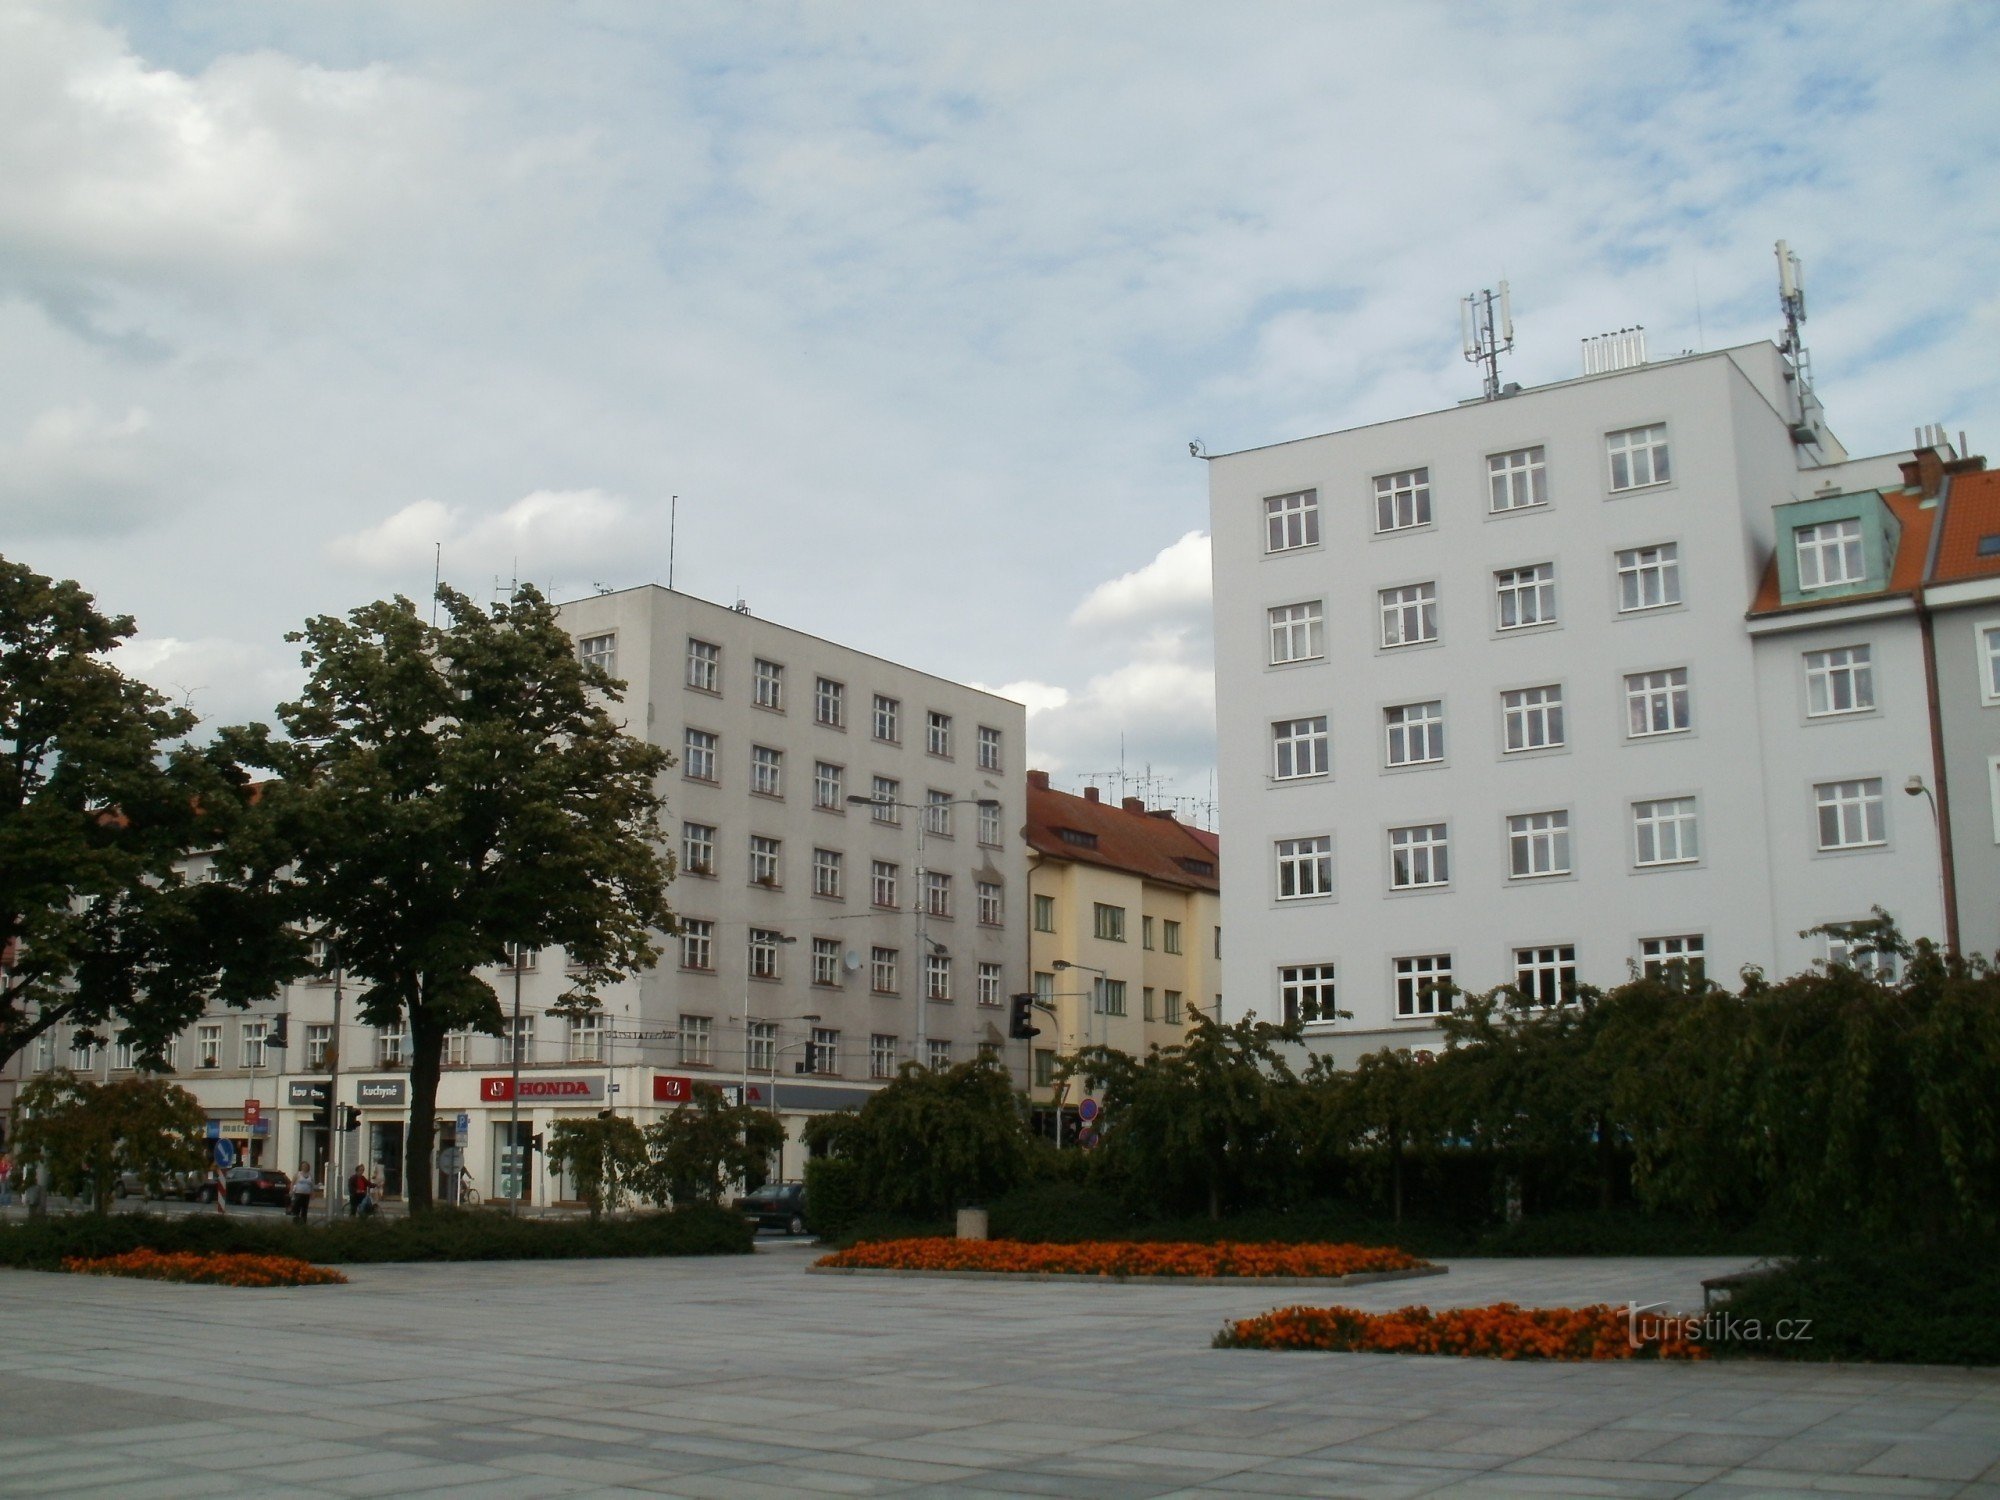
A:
(1038, 781)
(1923, 471)
(1135, 805)
(1090, 794)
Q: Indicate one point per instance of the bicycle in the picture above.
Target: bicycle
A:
(468, 1195)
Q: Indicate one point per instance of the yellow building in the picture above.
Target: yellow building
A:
(1123, 938)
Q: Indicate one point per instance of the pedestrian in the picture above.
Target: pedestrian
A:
(357, 1192)
(6, 1179)
(216, 1186)
(302, 1191)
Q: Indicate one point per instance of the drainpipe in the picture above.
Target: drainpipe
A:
(1947, 865)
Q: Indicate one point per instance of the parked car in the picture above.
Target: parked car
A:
(245, 1185)
(778, 1205)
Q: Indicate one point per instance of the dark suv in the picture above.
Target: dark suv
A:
(781, 1205)
(246, 1185)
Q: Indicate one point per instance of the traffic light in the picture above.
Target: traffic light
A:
(322, 1112)
(276, 1036)
(350, 1118)
(535, 1141)
(811, 1064)
(1021, 1019)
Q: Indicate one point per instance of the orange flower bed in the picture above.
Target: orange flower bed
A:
(1502, 1331)
(1120, 1258)
(208, 1270)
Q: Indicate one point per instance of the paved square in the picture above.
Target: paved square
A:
(747, 1377)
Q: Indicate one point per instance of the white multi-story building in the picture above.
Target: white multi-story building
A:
(1491, 710)
(822, 944)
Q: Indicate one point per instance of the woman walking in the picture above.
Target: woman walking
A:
(302, 1191)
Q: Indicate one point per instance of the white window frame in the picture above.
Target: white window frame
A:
(699, 750)
(599, 651)
(698, 849)
(990, 894)
(698, 945)
(520, 1035)
(1308, 994)
(1538, 845)
(937, 977)
(697, 1041)
(990, 831)
(989, 748)
(1417, 976)
(251, 1039)
(1405, 730)
(937, 813)
(1299, 748)
(1524, 597)
(585, 1041)
(1297, 632)
(884, 792)
(766, 856)
(888, 719)
(1517, 480)
(1420, 857)
(882, 1055)
(704, 665)
(1637, 458)
(1853, 812)
(1547, 974)
(767, 771)
(830, 703)
(1291, 521)
(1657, 703)
(760, 1046)
(1658, 956)
(1408, 615)
(1665, 831)
(882, 966)
(937, 893)
(937, 733)
(768, 684)
(319, 1038)
(1305, 867)
(826, 962)
(1402, 500)
(208, 1045)
(1531, 719)
(829, 786)
(1986, 642)
(825, 1045)
(988, 979)
(1830, 554)
(884, 880)
(828, 873)
(762, 946)
(1840, 680)
(1841, 952)
(1649, 577)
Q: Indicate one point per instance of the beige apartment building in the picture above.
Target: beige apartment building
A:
(1123, 938)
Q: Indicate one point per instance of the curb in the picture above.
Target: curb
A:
(1358, 1278)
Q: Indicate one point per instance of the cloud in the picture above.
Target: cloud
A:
(549, 530)
(77, 472)
(224, 681)
(1171, 591)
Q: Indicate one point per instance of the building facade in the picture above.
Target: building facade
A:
(1491, 712)
(823, 943)
(1123, 932)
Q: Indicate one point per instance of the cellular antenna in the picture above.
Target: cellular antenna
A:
(1486, 325)
(1808, 429)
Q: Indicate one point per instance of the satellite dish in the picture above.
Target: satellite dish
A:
(851, 960)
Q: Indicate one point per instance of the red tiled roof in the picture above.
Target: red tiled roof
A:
(1130, 838)
(1971, 512)
(1904, 577)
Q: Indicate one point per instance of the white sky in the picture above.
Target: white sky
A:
(915, 306)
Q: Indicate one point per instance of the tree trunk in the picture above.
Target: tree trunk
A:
(426, 1063)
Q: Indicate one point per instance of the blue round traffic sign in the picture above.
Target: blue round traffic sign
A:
(1087, 1111)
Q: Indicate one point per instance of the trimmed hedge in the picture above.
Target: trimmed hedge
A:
(833, 1196)
(1872, 1304)
(444, 1234)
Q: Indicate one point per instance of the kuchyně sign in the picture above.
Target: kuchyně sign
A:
(378, 1092)
(541, 1090)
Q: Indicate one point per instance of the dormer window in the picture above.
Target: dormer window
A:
(1830, 554)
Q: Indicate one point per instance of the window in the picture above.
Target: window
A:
(826, 961)
(989, 984)
(937, 893)
(937, 733)
(704, 666)
(1045, 914)
(254, 1035)
(698, 848)
(1305, 867)
(1306, 993)
(121, 1056)
(827, 873)
(824, 1050)
(600, 652)
(1170, 1001)
(1045, 1067)
(1291, 521)
(989, 748)
(767, 771)
(1170, 936)
(519, 1043)
(937, 1054)
(1989, 663)
(1108, 922)
(1531, 719)
(392, 1048)
(1415, 733)
(768, 681)
(208, 1046)
(1299, 748)
(1537, 844)
(457, 1049)
(319, 954)
(1403, 500)
(937, 813)
(1854, 948)
(760, 1046)
(45, 1053)
(1638, 456)
(989, 824)
(888, 720)
(698, 755)
(1298, 633)
(1649, 577)
(1839, 681)
(764, 945)
(1850, 813)
(1146, 933)
(937, 976)
(319, 1039)
(764, 859)
(1146, 1003)
(1409, 615)
(885, 792)
(1525, 596)
(1045, 991)
(1682, 957)
(829, 785)
(882, 970)
(697, 944)
(1517, 480)
(1109, 996)
(79, 1056)
(1656, 702)
(1423, 985)
(830, 703)
(586, 1038)
(1663, 832)
(989, 903)
(882, 884)
(1830, 554)
(1418, 856)
(881, 1056)
(1546, 976)
(526, 959)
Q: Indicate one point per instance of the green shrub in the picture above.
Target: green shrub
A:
(1618, 1232)
(833, 1196)
(445, 1234)
(1875, 1304)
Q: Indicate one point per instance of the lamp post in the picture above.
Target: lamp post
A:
(1916, 788)
(775, 1051)
(1089, 1027)
(924, 810)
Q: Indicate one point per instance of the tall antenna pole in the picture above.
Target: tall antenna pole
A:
(673, 525)
(437, 579)
(1486, 326)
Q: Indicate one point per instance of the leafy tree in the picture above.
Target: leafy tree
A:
(1381, 1109)
(450, 791)
(706, 1144)
(603, 1158)
(87, 1134)
(101, 798)
(933, 1140)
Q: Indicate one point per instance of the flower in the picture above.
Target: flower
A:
(1501, 1331)
(1117, 1258)
(208, 1270)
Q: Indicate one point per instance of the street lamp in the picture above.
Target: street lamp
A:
(1916, 788)
(1089, 1026)
(924, 943)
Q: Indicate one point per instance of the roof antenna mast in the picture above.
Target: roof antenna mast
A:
(1486, 320)
(1806, 425)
